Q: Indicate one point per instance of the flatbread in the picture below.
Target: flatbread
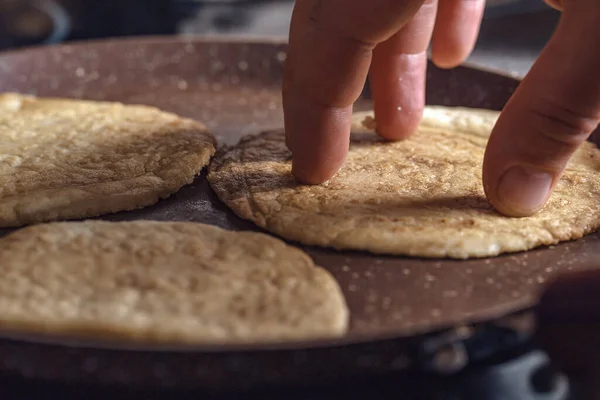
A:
(419, 197)
(70, 159)
(175, 282)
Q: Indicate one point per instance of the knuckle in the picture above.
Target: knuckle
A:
(563, 125)
(363, 24)
(339, 34)
(339, 30)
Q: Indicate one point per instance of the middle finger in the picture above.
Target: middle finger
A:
(397, 75)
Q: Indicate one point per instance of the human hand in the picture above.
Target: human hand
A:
(554, 110)
(334, 44)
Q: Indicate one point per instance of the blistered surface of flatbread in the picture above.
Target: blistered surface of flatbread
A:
(67, 159)
(173, 282)
(420, 197)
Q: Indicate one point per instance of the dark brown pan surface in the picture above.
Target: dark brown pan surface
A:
(234, 88)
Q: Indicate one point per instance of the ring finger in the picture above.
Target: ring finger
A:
(456, 30)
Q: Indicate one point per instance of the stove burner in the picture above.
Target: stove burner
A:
(524, 378)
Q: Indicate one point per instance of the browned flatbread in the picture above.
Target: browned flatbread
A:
(70, 159)
(168, 282)
(419, 197)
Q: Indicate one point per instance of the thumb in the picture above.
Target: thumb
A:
(554, 110)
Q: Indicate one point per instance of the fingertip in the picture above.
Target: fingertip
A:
(512, 210)
(509, 210)
(521, 191)
(399, 125)
(517, 178)
(310, 175)
(448, 57)
(319, 140)
(315, 165)
(450, 51)
(456, 31)
(398, 88)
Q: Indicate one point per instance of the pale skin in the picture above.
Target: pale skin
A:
(335, 44)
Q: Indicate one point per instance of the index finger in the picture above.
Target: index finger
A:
(331, 45)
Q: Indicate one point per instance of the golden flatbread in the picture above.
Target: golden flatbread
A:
(68, 159)
(174, 282)
(419, 197)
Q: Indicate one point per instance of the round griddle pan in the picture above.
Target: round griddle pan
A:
(406, 312)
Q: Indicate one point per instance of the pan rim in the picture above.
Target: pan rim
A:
(204, 39)
(59, 341)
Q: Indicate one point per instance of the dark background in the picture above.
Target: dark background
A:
(512, 35)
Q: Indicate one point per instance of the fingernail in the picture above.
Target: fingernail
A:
(524, 190)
